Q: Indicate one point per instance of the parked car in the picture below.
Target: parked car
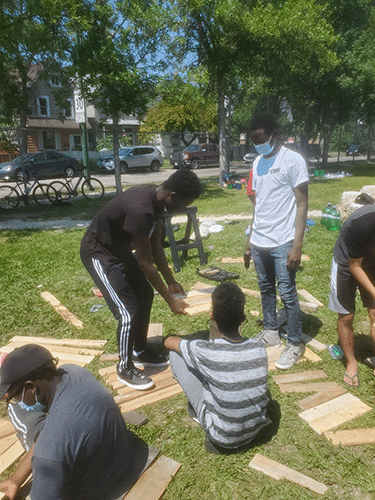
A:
(250, 155)
(45, 165)
(197, 155)
(356, 150)
(134, 157)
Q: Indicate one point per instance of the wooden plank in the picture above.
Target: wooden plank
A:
(251, 293)
(311, 356)
(200, 286)
(305, 258)
(315, 344)
(134, 418)
(50, 340)
(151, 398)
(308, 306)
(328, 407)
(151, 485)
(7, 442)
(334, 413)
(352, 437)
(11, 455)
(62, 310)
(109, 357)
(104, 372)
(319, 398)
(198, 309)
(124, 398)
(231, 260)
(6, 429)
(155, 333)
(311, 387)
(310, 298)
(70, 358)
(279, 471)
(299, 377)
(61, 349)
(273, 353)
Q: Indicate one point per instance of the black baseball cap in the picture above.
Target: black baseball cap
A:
(20, 363)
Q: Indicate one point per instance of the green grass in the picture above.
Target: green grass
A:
(33, 261)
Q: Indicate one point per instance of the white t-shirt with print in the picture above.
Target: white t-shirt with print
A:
(275, 208)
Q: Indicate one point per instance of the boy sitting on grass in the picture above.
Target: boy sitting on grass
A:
(225, 379)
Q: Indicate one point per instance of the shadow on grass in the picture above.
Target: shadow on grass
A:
(363, 347)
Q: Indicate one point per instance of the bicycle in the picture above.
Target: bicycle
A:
(91, 188)
(43, 194)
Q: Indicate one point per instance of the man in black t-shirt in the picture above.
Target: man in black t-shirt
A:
(353, 266)
(130, 220)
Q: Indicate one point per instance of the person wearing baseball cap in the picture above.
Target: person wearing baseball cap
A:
(84, 450)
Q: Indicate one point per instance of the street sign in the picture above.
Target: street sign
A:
(79, 107)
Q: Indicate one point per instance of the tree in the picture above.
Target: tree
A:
(33, 38)
(182, 106)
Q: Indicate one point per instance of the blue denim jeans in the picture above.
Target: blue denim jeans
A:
(270, 265)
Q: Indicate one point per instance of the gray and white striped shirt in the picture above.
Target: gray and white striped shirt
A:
(234, 387)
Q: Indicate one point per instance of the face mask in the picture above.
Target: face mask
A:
(36, 407)
(265, 148)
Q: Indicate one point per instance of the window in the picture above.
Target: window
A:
(43, 106)
(69, 110)
(55, 81)
(48, 139)
(75, 143)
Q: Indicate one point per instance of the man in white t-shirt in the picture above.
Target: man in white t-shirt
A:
(280, 181)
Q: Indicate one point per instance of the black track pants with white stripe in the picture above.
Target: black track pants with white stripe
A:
(129, 297)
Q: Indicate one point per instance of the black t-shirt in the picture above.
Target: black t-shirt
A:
(131, 213)
(357, 237)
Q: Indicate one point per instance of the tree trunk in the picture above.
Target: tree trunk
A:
(116, 158)
(23, 108)
(224, 167)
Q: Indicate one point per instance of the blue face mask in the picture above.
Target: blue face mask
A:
(36, 407)
(265, 148)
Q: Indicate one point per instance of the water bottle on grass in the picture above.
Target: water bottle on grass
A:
(325, 212)
(334, 220)
(335, 351)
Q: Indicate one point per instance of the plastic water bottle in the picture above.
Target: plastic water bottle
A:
(334, 220)
(335, 351)
(326, 211)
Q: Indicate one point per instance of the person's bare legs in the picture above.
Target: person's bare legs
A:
(371, 313)
(346, 337)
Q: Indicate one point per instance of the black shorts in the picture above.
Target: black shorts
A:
(344, 287)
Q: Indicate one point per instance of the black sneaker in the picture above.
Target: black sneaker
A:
(134, 378)
(150, 358)
(192, 413)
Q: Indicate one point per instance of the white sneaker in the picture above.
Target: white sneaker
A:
(270, 338)
(290, 356)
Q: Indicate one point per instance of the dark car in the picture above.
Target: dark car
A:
(197, 155)
(134, 157)
(356, 150)
(44, 165)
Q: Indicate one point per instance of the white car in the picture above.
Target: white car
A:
(135, 157)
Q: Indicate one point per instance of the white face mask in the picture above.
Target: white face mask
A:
(265, 148)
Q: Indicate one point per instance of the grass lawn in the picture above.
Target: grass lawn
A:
(33, 261)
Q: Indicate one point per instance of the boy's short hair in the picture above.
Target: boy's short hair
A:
(184, 183)
(228, 303)
(265, 121)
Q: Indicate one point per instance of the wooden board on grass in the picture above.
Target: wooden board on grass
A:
(6, 428)
(61, 349)
(299, 377)
(147, 399)
(151, 485)
(61, 309)
(50, 340)
(279, 471)
(65, 356)
(231, 260)
(310, 298)
(352, 437)
(134, 418)
(311, 356)
(155, 333)
(315, 344)
(10, 456)
(310, 387)
(335, 412)
(320, 397)
(7, 442)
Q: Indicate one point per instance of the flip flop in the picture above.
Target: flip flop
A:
(352, 379)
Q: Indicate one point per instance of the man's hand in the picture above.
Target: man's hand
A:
(175, 288)
(177, 306)
(9, 488)
(247, 258)
(294, 258)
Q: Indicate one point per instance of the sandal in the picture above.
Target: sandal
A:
(354, 380)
